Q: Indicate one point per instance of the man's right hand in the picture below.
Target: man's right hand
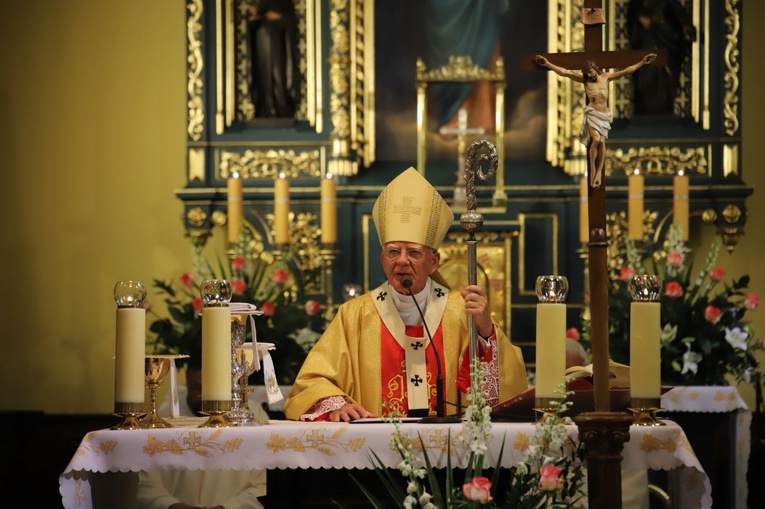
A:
(350, 412)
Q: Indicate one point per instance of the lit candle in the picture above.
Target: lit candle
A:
(584, 233)
(130, 342)
(216, 340)
(328, 210)
(635, 191)
(282, 210)
(680, 203)
(645, 342)
(234, 208)
(551, 335)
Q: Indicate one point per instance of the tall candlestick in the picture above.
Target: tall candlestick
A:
(328, 210)
(584, 229)
(551, 336)
(645, 342)
(282, 210)
(635, 189)
(216, 341)
(680, 202)
(235, 211)
(130, 342)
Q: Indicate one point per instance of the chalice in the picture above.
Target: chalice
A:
(156, 369)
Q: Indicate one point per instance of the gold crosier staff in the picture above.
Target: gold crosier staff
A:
(472, 220)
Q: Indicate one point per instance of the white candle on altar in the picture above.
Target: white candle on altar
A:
(216, 353)
(584, 229)
(645, 340)
(328, 210)
(681, 201)
(635, 203)
(282, 210)
(130, 343)
(551, 335)
(235, 209)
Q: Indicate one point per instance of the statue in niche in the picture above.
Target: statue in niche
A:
(274, 60)
(654, 24)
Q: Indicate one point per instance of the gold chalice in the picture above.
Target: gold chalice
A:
(157, 367)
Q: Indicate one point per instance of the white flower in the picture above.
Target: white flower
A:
(690, 360)
(736, 338)
(668, 334)
(411, 488)
(425, 498)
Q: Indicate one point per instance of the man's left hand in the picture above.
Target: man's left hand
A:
(477, 305)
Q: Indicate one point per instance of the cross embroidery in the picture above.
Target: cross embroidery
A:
(315, 438)
(416, 380)
(439, 292)
(406, 209)
(416, 346)
(192, 440)
(381, 296)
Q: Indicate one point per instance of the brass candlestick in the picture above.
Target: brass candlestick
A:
(130, 412)
(216, 410)
(644, 411)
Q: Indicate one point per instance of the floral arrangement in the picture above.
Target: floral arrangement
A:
(705, 337)
(551, 474)
(288, 321)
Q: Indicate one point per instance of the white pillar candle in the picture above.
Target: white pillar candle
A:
(584, 220)
(129, 355)
(216, 353)
(550, 348)
(282, 210)
(645, 350)
(680, 203)
(328, 210)
(635, 205)
(235, 208)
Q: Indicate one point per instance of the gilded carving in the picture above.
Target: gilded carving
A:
(732, 68)
(657, 160)
(460, 68)
(266, 164)
(305, 248)
(709, 216)
(196, 217)
(731, 213)
(195, 85)
(218, 218)
(340, 86)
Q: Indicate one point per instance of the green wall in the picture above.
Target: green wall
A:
(92, 137)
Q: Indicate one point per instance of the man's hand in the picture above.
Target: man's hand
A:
(349, 412)
(477, 305)
(649, 58)
(541, 61)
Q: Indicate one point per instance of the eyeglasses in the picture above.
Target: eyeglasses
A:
(413, 255)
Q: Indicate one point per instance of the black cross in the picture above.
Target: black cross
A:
(381, 296)
(416, 380)
(416, 346)
(439, 292)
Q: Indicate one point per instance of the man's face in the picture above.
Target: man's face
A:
(401, 259)
(592, 75)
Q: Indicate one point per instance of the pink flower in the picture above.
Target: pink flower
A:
(626, 273)
(478, 490)
(187, 279)
(673, 289)
(716, 274)
(549, 479)
(312, 307)
(573, 333)
(675, 259)
(197, 305)
(267, 308)
(751, 301)
(712, 314)
(238, 262)
(279, 277)
(238, 287)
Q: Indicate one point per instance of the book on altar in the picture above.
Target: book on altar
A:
(520, 408)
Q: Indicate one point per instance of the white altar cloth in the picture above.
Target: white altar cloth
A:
(289, 444)
(719, 399)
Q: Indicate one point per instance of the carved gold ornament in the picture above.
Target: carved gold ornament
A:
(196, 217)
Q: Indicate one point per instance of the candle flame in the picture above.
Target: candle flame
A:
(680, 173)
(329, 175)
(636, 171)
(282, 175)
(235, 175)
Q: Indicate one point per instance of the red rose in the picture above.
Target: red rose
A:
(626, 273)
(675, 259)
(751, 301)
(197, 305)
(267, 308)
(238, 287)
(312, 307)
(238, 262)
(716, 274)
(573, 333)
(549, 478)
(673, 289)
(187, 279)
(477, 490)
(279, 277)
(712, 314)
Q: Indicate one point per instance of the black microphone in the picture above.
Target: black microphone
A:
(406, 282)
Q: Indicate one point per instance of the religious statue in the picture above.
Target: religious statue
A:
(597, 117)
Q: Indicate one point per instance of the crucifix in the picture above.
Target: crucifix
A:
(604, 432)
(462, 130)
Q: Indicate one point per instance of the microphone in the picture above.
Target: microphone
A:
(406, 282)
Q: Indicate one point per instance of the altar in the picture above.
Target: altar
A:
(299, 445)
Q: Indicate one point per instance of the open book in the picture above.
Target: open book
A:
(520, 408)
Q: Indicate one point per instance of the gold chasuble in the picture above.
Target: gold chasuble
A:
(348, 359)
